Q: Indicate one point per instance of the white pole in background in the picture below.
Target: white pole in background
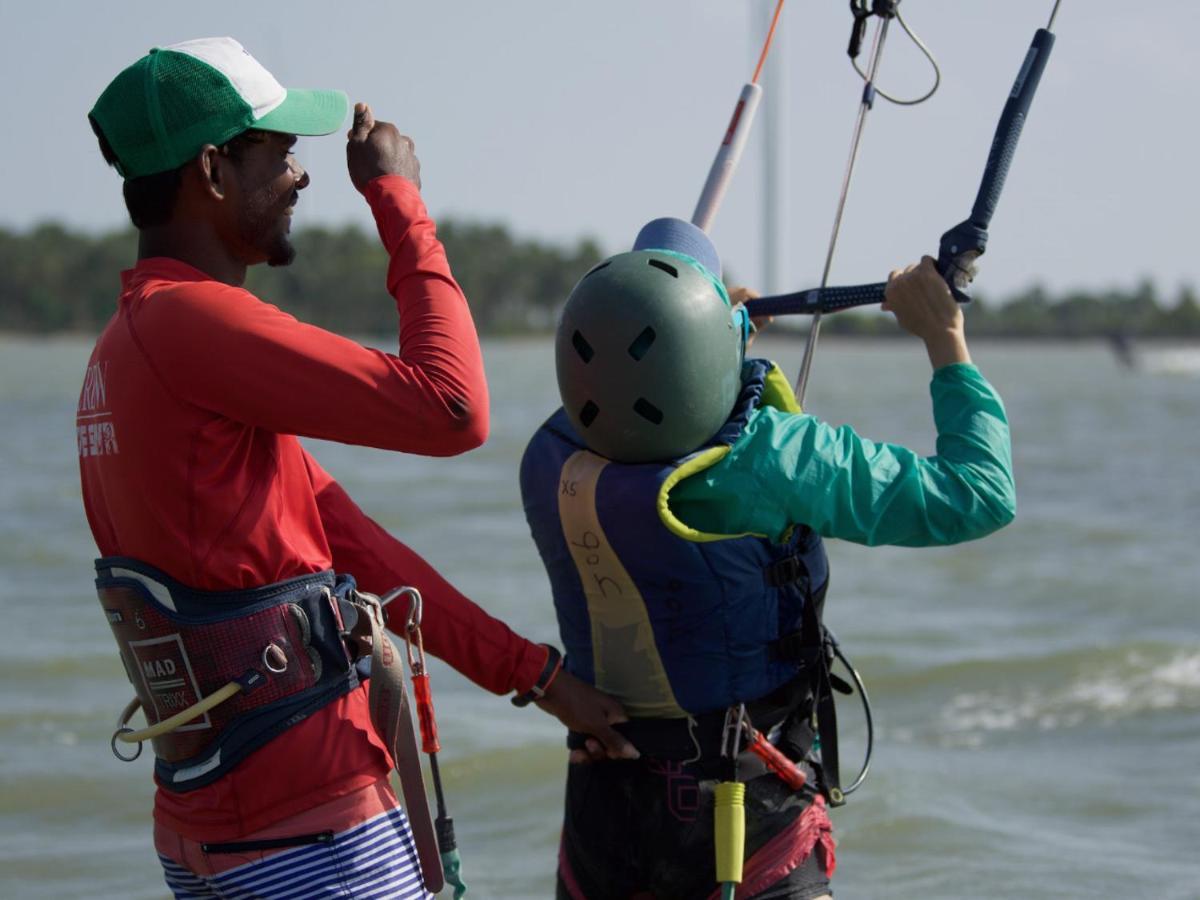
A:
(734, 142)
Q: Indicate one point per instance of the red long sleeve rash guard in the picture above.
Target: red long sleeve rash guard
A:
(189, 461)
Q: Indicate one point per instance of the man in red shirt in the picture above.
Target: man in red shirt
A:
(199, 493)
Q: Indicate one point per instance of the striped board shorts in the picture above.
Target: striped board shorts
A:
(373, 859)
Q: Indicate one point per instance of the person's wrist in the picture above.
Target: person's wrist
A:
(947, 347)
(387, 181)
(549, 673)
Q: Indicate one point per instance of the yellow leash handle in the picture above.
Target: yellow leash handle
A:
(730, 830)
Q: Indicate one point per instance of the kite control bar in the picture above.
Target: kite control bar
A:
(966, 241)
(831, 299)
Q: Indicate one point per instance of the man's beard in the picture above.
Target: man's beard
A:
(262, 227)
(281, 251)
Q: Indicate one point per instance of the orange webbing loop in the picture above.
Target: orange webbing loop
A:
(421, 689)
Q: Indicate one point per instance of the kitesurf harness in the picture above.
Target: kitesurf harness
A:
(797, 721)
(218, 674)
(263, 659)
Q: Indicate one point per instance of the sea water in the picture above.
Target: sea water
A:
(1036, 693)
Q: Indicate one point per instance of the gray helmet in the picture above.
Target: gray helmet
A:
(648, 355)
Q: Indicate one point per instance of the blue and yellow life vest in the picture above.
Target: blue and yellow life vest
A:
(669, 620)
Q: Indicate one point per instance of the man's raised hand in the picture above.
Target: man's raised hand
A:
(378, 148)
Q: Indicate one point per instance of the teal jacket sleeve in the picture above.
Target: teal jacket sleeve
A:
(789, 468)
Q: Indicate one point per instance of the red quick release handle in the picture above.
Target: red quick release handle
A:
(429, 734)
(792, 775)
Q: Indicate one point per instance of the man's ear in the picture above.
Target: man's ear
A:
(212, 171)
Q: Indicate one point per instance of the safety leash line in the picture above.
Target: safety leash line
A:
(864, 106)
(414, 644)
(391, 714)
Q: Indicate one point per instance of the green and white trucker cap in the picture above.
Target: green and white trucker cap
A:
(159, 112)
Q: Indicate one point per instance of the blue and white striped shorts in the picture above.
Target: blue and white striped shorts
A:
(375, 859)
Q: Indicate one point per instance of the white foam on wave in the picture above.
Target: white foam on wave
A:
(1183, 671)
(1130, 686)
(1180, 361)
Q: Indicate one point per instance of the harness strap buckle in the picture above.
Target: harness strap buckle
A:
(798, 647)
(789, 570)
(362, 617)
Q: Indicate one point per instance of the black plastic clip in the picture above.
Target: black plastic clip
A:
(789, 570)
(863, 10)
(251, 679)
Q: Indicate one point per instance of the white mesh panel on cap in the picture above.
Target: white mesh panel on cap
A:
(253, 83)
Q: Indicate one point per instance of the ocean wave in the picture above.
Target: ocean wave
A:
(1132, 683)
(1181, 361)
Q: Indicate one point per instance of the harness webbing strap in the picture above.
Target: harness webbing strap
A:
(826, 716)
(812, 648)
(391, 714)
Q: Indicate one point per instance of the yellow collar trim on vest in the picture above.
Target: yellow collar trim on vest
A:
(705, 459)
(777, 393)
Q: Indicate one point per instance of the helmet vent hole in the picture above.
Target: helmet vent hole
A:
(642, 343)
(648, 411)
(666, 267)
(588, 414)
(594, 269)
(582, 347)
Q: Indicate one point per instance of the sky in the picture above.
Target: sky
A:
(566, 119)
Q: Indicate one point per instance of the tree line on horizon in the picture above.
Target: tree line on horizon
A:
(53, 279)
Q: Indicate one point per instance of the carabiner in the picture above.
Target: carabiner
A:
(414, 611)
(734, 726)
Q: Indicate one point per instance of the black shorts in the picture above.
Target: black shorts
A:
(644, 829)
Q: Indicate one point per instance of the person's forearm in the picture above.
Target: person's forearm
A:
(454, 628)
(947, 348)
(437, 335)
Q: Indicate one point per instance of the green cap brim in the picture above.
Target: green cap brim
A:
(307, 112)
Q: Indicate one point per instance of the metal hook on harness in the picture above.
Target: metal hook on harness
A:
(415, 610)
(758, 744)
(412, 634)
(735, 720)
